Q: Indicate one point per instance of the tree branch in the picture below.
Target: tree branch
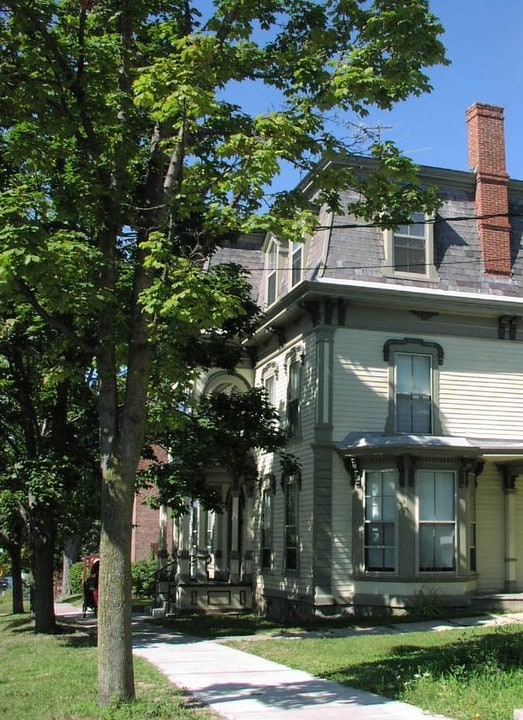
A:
(52, 320)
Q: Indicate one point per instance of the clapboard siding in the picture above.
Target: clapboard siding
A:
(481, 388)
(480, 385)
(341, 531)
(360, 383)
(490, 533)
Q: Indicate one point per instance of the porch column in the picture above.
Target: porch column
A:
(248, 533)
(234, 557)
(201, 551)
(184, 540)
(221, 558)
(510, 559)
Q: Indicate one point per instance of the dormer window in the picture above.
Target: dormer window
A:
(409, 249)
(271, 267)
(296, 262)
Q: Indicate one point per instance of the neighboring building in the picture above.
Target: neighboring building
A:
(396, 361)
(152, 528)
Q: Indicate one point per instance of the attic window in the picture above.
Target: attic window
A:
(409, 250)
(272, 259)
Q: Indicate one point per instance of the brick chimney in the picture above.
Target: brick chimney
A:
(487, 158)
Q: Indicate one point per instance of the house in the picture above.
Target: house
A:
(396, 361)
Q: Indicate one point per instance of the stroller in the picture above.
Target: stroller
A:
(89, 597)
(90, 590)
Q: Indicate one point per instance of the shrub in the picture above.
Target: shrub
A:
(75, 578)
(144, 578)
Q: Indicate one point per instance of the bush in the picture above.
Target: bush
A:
(144, 578)
(75, 578)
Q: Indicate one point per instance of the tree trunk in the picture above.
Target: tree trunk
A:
(72, 544)
(43, 532)
(15, 552)
(115, 657)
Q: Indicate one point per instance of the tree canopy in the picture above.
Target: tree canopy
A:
(127, 153)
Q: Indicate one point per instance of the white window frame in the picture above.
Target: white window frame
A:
(426, 272)
(436, 520)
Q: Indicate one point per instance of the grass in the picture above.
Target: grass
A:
(54, 678)
(214, 626)
(473, 674)
(466, 675)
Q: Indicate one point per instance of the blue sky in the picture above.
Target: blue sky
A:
(484, 41)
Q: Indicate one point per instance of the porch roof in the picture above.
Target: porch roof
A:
(372, 443)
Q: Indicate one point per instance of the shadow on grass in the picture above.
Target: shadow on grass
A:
(214, 626)
(467, 658)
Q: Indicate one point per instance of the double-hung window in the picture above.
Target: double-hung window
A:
(436, 520)
(293, 397)
(296, 262)
(266, 529)
(409, 249)
(413, 393)
(269, 384)
(414, 372)
(380, 520)
(291, 523)
(272, 259)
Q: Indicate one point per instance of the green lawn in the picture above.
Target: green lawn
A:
(464, 674)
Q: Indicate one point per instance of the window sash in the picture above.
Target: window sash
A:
(270, 389)
(409, 246)
(436, 520)
(266, 530)
(293, 399)
(296, 263)
(380, 521)
(291, 525)
(272, 273)
(413, 393)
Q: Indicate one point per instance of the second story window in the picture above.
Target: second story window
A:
(414, 380)
(293, 397)
(413, 393)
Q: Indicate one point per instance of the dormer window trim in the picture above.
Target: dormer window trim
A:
(408, 239)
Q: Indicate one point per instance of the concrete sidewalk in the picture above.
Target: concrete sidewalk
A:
(240, 686)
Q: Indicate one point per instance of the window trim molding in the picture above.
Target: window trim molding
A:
(413, 346)
(430, 274)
